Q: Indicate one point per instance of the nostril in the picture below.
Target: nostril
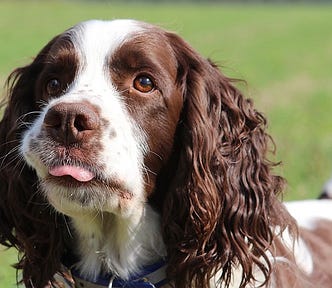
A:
(85, 121)
(70, 122)
(80, 123)
(53, 119)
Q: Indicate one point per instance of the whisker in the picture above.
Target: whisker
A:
(20, 121)
(156, 154)
(9, 142)
(148, 170)
(122, 91)
(19, 163)
(24, 124)
(42, 103)
(67, 226)
(28, 114)
(13, 151)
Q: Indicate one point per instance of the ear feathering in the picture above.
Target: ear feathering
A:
(222, 204)
(27, 222)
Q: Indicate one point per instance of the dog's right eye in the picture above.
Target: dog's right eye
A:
(144, 84)
(53, 87)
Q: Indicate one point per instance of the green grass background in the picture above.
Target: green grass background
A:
(284, 52)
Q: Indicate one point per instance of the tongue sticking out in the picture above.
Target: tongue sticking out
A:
(78, 173)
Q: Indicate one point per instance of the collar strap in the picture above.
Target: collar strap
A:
(152, 276)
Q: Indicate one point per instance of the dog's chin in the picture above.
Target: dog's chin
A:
(80, 199)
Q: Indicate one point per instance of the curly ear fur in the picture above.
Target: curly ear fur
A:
(27, 222)
(221, 208)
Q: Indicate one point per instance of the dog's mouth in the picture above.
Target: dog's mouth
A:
(77, 173)
(80, 184)
(72, 175)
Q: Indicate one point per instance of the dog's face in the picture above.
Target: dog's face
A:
(109, 106)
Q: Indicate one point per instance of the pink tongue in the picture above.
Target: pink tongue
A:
(78, 173)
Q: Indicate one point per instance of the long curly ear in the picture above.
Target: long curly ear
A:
(27, 222)
(222, 204)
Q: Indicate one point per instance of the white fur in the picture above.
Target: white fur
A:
(121, 245)
(307, 212)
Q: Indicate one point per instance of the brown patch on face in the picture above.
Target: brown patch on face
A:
(61, 63)
(155, 112)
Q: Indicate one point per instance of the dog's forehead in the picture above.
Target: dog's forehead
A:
(100, 38)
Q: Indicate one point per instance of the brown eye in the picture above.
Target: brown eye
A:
(53, 87)
(143, 84)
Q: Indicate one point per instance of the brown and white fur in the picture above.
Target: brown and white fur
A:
(123, 146)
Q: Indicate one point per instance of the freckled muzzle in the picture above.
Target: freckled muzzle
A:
(69, 123)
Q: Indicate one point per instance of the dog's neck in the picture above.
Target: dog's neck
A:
(108, 243)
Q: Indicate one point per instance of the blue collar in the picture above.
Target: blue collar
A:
(152, 276)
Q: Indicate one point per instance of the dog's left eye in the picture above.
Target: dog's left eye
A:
(53, 87)
(143, 84)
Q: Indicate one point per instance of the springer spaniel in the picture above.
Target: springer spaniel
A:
(128, 160)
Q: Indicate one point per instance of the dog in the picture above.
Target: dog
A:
(129, 160)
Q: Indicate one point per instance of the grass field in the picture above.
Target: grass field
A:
(284, 53)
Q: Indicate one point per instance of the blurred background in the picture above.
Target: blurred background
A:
(283, 49)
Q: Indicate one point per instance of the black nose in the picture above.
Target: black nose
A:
(69, 123)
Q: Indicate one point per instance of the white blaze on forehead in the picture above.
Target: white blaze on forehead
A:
(97, 40)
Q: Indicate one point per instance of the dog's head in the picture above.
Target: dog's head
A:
(111, 115)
